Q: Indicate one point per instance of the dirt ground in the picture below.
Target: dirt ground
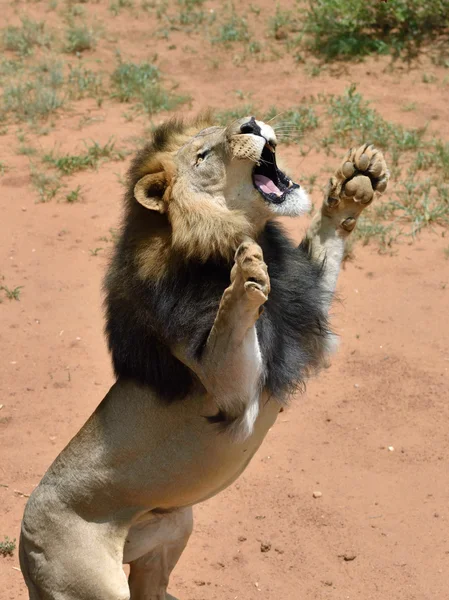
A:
(370, 433)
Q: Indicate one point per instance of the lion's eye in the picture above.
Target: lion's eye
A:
(201, 156)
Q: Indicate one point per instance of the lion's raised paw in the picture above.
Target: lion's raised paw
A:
(361, 175)
(250, 273)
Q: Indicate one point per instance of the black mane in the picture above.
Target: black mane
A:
(145, 318)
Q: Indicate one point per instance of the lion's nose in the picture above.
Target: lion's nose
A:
(251, 127)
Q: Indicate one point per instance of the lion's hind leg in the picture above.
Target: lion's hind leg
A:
(152, 550)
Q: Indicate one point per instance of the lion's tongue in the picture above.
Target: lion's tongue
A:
(266, 185)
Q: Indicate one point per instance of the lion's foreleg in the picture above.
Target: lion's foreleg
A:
(353, 186)
(230, 366)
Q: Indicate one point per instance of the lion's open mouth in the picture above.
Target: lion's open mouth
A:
(270, 181)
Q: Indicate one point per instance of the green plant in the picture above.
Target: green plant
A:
(141, 83)
(68, 164)
(7, 547)
(22, 40)
(47, 185)
(80, 38)
(83, 82)
(434, 156)
(95, 251)
(352, 119)
(423, 203)
(116, 6)
(345, 28)
(409, 107)
(282, 23)
(429, 78)
(30, 99)
(291, 124)
(74, 195)
(234, 29)
(26, 150)
(11, 294)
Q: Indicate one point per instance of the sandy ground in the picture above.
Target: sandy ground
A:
(370, 433)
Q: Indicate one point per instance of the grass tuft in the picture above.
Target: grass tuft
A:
(47, 185)
(11, 294)
(67, 164)
(8, 546)
(80, 38)
(353, 120)
(25, 38)
(141, 83)
(234, 29)
(290, 125)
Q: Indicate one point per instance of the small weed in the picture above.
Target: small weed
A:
(7, 547)
(13, 294)
(291, 124)
(409, 107)
(282, 24)
(115, 235)
(74, 195)
(35, 97)
(68, 164)
(74, 11)
(3, 167)
(234, 29)
(368, 229)
(84, 83)
(435, 156)
(255, 9)
(130, 79)
(117, 5)
(95, 251)
(141, 82)
(255, 47)
(189, 15)
(22, 40)
(47, 185)
(446, 253)
(429, 78)
(26, 150)
(353, 119)
(422, 202)
(80, 38)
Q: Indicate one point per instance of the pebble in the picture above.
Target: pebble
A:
(265, 546)
(317, 494)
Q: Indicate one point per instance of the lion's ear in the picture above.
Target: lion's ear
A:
(149, 191)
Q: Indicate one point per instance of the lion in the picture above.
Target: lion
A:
(214, 318)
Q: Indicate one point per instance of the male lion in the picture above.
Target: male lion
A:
(213, 318)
